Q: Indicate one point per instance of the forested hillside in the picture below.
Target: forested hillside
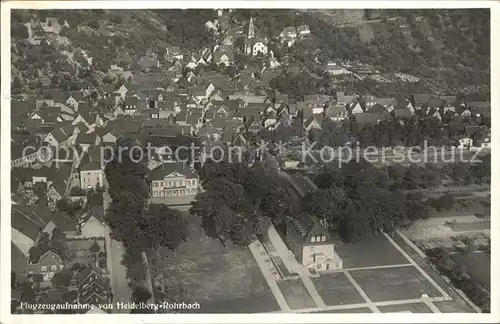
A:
(448, 48)
(80, 42)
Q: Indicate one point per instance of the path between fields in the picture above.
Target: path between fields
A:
(366, 305)
(438, 287)
(360, 290)
(294, 267)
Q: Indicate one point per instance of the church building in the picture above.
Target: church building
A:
(255, 45)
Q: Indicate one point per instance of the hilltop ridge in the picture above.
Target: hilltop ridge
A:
(447, 48)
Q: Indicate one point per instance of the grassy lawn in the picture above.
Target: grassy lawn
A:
(336, 289)
(451, 306)
(296, 294)
(414, 308)
(478, 266)
(221, 281)
(370, 251)
(470, 226)
(393, 284)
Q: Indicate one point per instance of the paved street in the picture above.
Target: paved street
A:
(280, 299)
(119, 282)
(293, 266)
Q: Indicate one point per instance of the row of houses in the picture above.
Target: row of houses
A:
(89, 286)
(209, 115)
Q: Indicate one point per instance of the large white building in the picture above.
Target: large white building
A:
(91, 176)
(173, 180)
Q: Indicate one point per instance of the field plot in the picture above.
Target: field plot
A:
(220, 280)
(336, 289)
(470, 226)
(295, 294)
(478, 266)
(371, 251)
(457, 302)
(393, 284)
(413, 308)
(349, 310)
(452, 306)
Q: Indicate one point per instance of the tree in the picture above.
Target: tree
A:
(332, 134)
(17, 85)
(19, 30)
(256, 182)
(239, 202)
(326, 204)
(64, 31)
(58, 244)
(13, 280)
(358, 200)
(68, 207)
(232, 194)
(62, 278)
(141, 294)
(222, 220)
(123, 174)
(444, 202)
(35, 253)
(28, 295)
(136, 266)
(93, 23)
(279, 203)
(95, 248)
(123, 217)
(129, 190)
(95, 197)
(165, 227)
(245, 227)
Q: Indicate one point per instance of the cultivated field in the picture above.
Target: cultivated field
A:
(394, 283)
(413, 308)
(369, 252)
(478, 266)
(221, 281)
(387, 274)
(336, 289)
(295, 293)
(350, 310)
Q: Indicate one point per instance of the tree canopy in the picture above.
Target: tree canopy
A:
(240, 202)
(62, 278)
(359, 200)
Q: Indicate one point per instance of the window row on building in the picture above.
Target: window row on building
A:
(178, 183)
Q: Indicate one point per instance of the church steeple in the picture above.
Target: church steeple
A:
(251, 30)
